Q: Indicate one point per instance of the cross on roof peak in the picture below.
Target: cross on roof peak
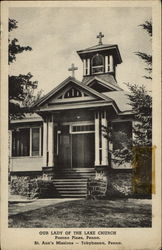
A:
(73, 68)
(100, 36)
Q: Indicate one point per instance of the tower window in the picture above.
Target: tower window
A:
(108, 63)
(97, 64)
(86, 66)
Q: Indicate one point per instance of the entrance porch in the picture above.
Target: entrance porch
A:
(74, 140)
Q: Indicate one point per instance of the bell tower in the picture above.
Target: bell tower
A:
(100, 60)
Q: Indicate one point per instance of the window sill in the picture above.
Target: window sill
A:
(97, 73)
(24, 157)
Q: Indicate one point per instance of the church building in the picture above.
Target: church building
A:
(66, 138)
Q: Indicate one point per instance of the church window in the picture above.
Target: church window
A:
(35, 141)
(83, 128)
(20, 142)
(26, 142)
(97, 64)
(73, 93)
(121, 135)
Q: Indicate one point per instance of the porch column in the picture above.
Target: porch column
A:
(104, 140)
(97, 135)
(50, 142)
(45, 143)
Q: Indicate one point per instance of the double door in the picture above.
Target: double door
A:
(76, 150)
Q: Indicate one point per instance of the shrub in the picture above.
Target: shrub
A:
(119, 185)
(96, 189)
(32, 187)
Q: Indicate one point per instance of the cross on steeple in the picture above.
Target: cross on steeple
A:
(100, 36)
(72, 68)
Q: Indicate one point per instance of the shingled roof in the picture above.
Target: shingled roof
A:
(121, 99)
(107, 78)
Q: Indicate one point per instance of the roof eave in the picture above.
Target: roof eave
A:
(82, 52)
(49, 94)
(104, 82)
(27, 120)
(83, 106)
(61, 85)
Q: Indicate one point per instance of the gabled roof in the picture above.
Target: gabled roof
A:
(45, 98)
(98, 46)
(107, 80)
(121, 99)
(115, 97)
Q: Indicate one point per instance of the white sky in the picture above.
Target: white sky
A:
(55, 34)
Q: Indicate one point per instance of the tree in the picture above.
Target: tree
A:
(30, 98)
(141, 103)
(147, 26)
(19, 86)
(138, 150)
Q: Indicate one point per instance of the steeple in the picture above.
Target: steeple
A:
(100, 59)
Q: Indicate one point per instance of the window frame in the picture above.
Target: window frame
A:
(82, 131)
(86, 66)
(98, 66)
(30, 142)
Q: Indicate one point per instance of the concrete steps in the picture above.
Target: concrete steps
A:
(75, 173)
(70, 183)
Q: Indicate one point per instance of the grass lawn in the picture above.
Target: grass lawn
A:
(87, 213)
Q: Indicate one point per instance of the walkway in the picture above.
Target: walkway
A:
(18, 204)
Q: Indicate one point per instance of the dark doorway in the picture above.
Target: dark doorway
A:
(76, 150)
(65, 148)
(83, 150)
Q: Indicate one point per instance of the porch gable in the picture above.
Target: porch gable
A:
(69, 91)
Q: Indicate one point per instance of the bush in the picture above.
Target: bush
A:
(116, 191)
(32, 187)
(96, 189)
(119, 185)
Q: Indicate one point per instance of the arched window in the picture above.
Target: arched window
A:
(72, 93)
(97, 64)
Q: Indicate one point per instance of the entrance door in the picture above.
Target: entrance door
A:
(83, 150)
(65, 160)
(76, 150)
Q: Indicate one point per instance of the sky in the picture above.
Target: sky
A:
(56, 33)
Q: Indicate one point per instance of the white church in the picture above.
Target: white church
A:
(63, 139)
